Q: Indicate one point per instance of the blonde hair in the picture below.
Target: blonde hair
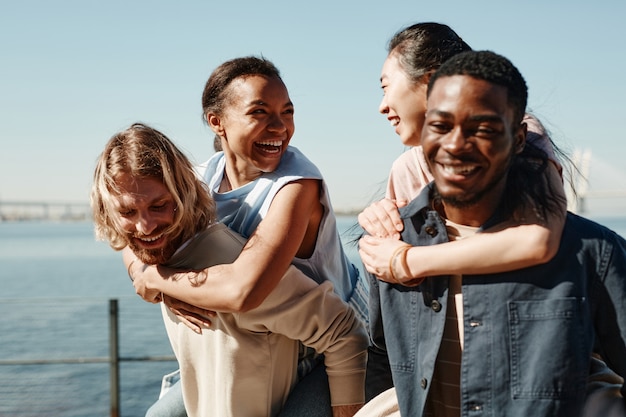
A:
(144, 152)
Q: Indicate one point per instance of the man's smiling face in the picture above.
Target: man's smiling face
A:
(469, 141)
(145, 211)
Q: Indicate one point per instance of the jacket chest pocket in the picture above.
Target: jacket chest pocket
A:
(548, 349)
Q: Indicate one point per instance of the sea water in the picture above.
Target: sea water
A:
(56, 285)
(56, 282)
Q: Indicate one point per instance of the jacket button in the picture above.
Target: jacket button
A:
(423, 383)
(435, 305)
(430, 230)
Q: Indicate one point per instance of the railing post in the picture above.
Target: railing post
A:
(114, 358)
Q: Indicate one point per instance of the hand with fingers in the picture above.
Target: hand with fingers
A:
(191, 316)
(386, 258)
(381, 218)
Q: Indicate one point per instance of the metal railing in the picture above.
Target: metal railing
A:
(113, 359)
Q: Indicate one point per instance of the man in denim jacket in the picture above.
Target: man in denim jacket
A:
(508, 344)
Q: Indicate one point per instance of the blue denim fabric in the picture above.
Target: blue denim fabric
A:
(170, 404)
(529, 334)
(310, 397)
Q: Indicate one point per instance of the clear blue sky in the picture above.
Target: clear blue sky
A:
(72, 73)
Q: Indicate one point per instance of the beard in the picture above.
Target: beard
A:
(467, 199)
(154, 256)
(463, 201)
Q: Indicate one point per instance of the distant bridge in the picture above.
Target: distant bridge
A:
(577, 201)
(43, 210)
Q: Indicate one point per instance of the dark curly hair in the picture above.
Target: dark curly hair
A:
(527, 185)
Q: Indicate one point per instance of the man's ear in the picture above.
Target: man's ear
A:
(215, 123)
(520, 137)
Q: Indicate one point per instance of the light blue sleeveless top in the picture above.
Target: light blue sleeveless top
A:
(243, 209)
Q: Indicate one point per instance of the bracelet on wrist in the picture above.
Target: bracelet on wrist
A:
(399, 252)
(130, 275)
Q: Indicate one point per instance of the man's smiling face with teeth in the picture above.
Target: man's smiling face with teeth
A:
(469, 140)
(146, 210)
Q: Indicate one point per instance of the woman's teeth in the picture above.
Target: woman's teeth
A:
(271, 142)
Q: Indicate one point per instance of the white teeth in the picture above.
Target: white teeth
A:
(394, 122)
(271, 142)
(459, 170)
(149, 239)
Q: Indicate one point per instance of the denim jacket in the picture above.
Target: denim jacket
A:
(528, 334)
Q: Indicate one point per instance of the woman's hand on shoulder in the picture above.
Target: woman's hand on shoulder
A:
(141, 275)
(382, 219)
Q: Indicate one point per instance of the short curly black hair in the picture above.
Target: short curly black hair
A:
(493, 68)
